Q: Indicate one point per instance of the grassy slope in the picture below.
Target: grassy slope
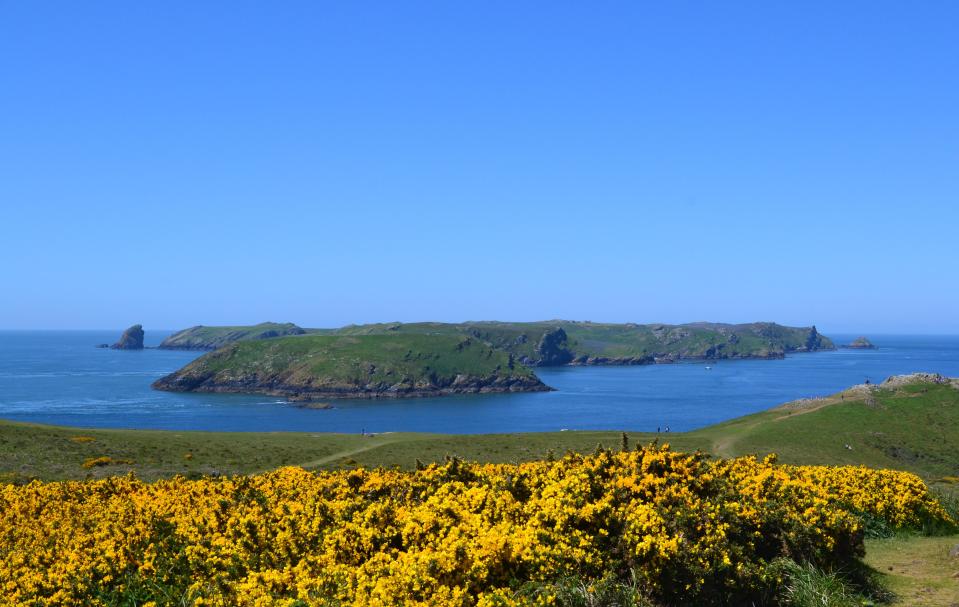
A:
(47, 452)
(208, 338)
(348, 361)
(620, 340)
(918, 570)
(915, 428)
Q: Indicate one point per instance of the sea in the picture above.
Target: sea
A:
(61, 378)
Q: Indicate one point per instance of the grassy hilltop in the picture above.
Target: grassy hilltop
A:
(211, 338)
(568, 342)
(342, 366)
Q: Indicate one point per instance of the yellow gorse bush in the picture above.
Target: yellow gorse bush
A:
(457, 534)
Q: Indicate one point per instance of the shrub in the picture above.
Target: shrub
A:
(650, 524)
(105, 460)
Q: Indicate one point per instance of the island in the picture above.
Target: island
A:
(860, 343)
(563, 342)
(314, 367)
(132, 339)
(210, 338)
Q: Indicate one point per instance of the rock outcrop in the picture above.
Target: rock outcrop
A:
(132, 339)
(553, 348)
(897, 381)
(860, 343)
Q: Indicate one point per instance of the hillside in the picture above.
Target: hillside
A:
(312, 367)
(561, 342)
(907, 423)
(211, 338)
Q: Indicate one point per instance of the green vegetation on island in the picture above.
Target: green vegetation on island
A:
(431, 359)
(211, 338)
(311, 367)
(560, 342)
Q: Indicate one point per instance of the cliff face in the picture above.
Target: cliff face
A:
(553, 348)
(562, 342)
(277, 385)
(132, 339)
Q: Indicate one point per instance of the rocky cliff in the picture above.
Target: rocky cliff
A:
(132, 339)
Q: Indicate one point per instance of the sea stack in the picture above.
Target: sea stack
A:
(132, 339)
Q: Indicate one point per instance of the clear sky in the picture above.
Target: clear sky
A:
(181, 163)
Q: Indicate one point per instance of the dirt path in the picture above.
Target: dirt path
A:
(919, 570)
(373, 444)
(723, 446)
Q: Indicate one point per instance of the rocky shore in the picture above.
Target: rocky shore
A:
(309, 391)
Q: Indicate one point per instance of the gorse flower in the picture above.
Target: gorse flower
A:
(456, 534)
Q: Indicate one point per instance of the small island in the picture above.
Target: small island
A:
(132, 339)
(860, 343)
(316, 367)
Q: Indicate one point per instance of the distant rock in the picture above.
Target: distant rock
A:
(897, 381)
(814, 341)
(860, 343)
(132, 339)
(102, 346)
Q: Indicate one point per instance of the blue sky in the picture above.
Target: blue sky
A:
(180, 163)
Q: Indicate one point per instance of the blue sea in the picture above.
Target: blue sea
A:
(59, 377)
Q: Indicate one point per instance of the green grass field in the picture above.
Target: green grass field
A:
(918, 571)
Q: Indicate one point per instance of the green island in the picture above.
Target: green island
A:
(559, 342)
(434, 359)
(908, 423)
(311, 367)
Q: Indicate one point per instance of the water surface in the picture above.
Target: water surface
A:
(58, 377)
